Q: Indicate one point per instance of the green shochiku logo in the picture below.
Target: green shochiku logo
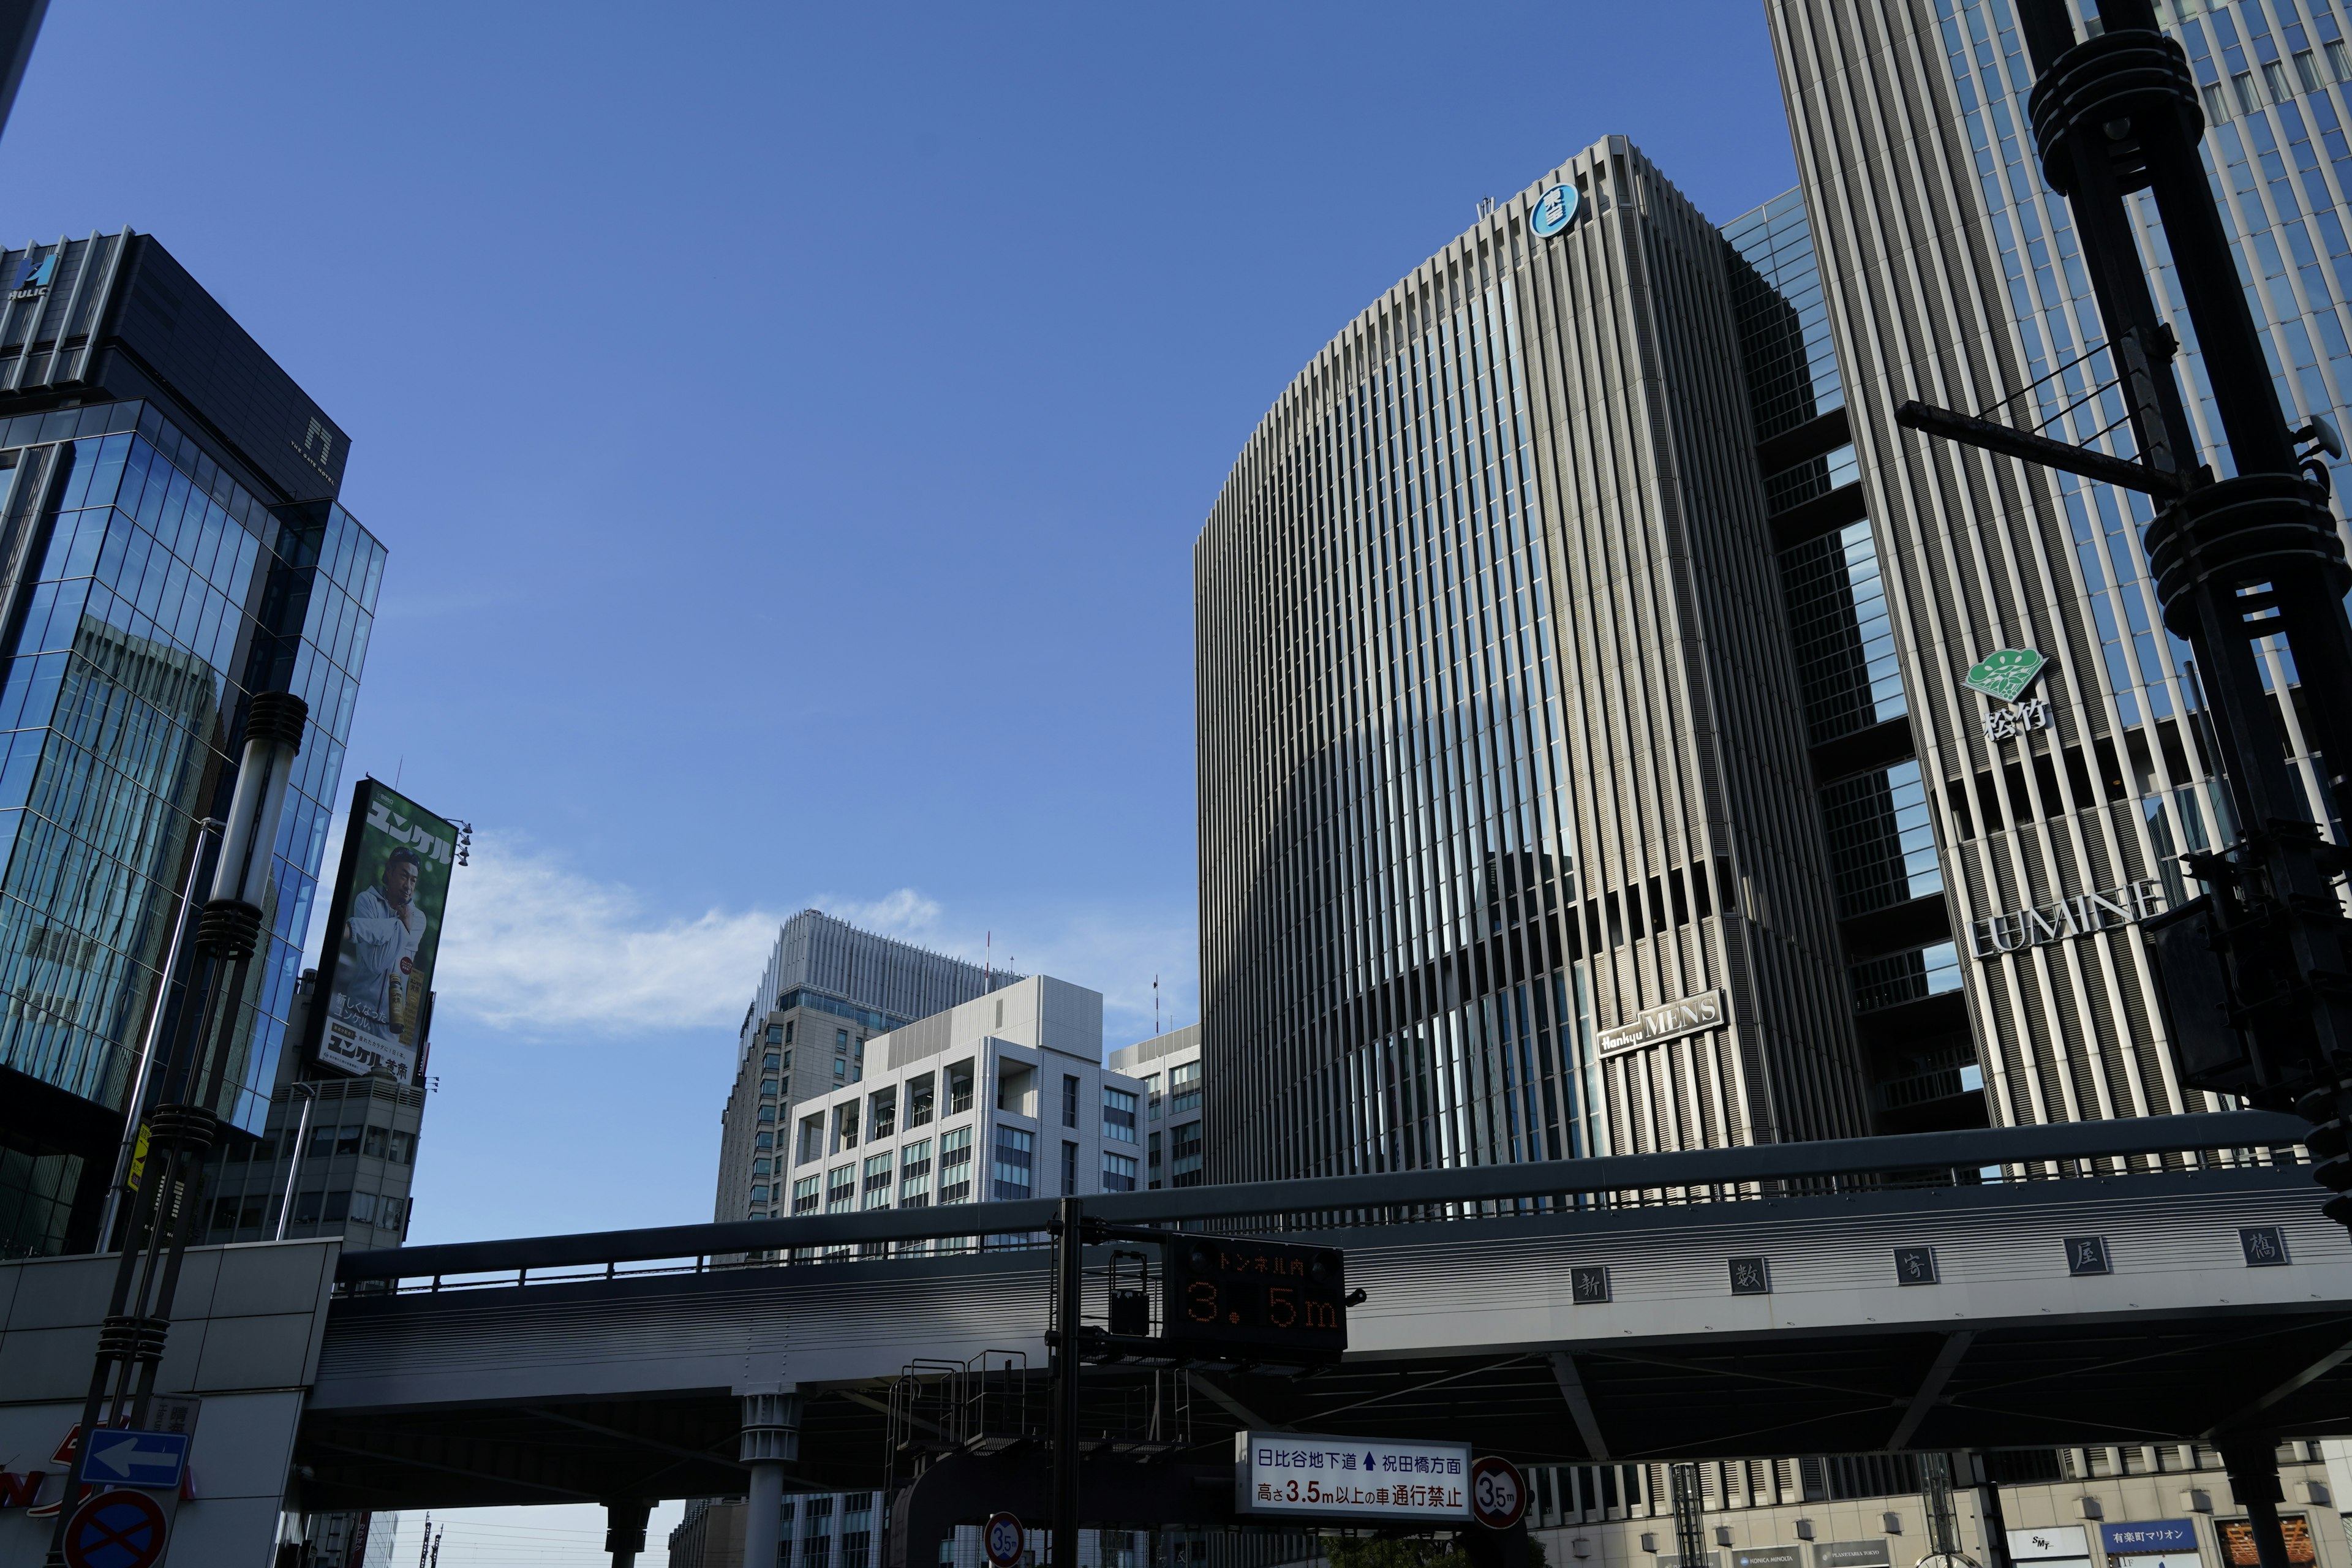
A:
(2005, 673)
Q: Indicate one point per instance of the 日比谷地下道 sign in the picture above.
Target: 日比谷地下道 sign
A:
(1350, 1477)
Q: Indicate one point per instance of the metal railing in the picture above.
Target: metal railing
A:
(2138, 1146)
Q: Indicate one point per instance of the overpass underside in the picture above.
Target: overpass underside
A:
(1496, 1330)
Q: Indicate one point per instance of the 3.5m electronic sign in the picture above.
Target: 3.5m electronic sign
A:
(1271, 1297)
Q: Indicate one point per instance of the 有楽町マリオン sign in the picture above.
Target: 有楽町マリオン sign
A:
(1669, 1022)
(2078, 916)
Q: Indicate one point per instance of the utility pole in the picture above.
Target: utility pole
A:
(1069, 1262)
(131, 1339)
(2255, 975)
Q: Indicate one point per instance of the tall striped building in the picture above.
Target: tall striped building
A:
(1509, 846)
(1954, 276)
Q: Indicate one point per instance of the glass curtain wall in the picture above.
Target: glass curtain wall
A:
(159, 595)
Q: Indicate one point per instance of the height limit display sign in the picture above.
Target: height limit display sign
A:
(1375, 1478)
(1267, 1298)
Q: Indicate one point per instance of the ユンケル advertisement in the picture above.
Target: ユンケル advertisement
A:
(383, 928)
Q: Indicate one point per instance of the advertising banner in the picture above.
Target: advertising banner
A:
(1352, 1478)
(384, 931)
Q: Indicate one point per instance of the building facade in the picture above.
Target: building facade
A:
(1953, 276)
(1003, 1098)
(346, 1146)
(1509, 842)
(829, 988)
(170, 543)
(1170, 1068)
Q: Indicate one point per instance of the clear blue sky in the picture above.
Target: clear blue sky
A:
(790, 426)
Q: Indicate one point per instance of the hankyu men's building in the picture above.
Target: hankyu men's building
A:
(170, 543)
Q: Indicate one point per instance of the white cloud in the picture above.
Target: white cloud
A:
(532, 948)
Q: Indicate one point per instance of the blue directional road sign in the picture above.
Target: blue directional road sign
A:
(113, 1457)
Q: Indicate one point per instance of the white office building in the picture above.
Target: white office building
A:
(1170, 1066)
(1003, 1097)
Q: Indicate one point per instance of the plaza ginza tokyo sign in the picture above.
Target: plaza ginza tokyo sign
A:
(1352, 1478)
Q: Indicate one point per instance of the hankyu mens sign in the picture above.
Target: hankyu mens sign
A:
(1350, 1477)
(1688, 1016)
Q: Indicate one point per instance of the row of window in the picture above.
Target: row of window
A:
(2275, 87)
(378, 1143)
(878, 1114)
(906, 1180)
(259, 1211)
(1183, 1090)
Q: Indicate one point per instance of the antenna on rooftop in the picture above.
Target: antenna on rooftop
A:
(1155, 1005)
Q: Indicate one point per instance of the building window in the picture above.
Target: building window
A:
(760, 1167)
(775, 1033)
(1153, 1148)
(1119, 1115)
(1152, 1094)
(1118, 1173)
(812, 1139)
(1069, 1100)
(915, 1174)
(788, 1034)
(959, 1089)
(1184, 1089)
(768, 1088)
(877, 1181)
(759, 1194)
(919, 1101)
(2339, 60)
(955, 1166)
(2216, 110)
(2244, 84)
(764, 1141)
(2306, 69)
(2274, 78)
(1881, 843)
(805, 1195)
(882, 1121)
(1015, 1170)
(767, 1113)
(840, 1188)
(1844, 639)
(1069, 1170)
(771, 1062)
(1184, 1156)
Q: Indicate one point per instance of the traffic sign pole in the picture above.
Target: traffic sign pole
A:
(116, 1530)
(1069, 1261)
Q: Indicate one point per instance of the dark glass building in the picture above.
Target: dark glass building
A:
(170, 543)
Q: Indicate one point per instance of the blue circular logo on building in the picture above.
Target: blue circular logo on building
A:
(1555, 211)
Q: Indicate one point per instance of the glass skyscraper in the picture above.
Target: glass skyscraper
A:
(163, 560)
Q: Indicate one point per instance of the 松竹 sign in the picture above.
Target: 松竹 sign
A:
(2078, 916)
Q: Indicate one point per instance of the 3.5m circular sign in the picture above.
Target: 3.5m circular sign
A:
(1004, 1539)
(1498, 1493)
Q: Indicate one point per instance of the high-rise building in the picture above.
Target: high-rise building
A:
(1953, 276)
(170, 543)
(828, 989)
(1508, 839)
(1169, 1067)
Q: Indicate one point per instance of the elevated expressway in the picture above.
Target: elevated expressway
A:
(597, 1367)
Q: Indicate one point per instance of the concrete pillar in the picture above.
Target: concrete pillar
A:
(2253, 1464)
(624, 1531)
(770, 1441)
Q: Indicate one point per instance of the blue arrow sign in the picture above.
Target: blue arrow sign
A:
(115, 1458)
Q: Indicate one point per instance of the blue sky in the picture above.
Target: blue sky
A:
(790, 425)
